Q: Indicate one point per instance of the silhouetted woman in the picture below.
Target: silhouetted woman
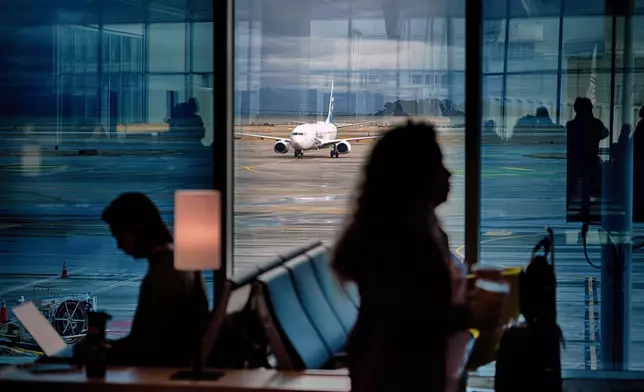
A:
(172, 308)
(396, 252)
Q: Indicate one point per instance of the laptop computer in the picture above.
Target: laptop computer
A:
(52, 344)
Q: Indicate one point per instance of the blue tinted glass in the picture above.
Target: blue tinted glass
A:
(95, 102)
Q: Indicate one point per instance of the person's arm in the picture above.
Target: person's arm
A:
(152, 333)
(461, 318)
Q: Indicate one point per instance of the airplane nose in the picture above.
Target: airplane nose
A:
(298, 142)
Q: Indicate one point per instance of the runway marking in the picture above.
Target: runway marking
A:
(117, 284)
(591, 324)
(517, 168)
(498, 233)
(246, 167)
(38, 281)
(282, 161)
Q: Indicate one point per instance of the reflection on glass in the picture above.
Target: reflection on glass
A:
(88, 112)
(550, 162)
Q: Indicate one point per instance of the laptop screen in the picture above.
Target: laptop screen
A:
(40, 329)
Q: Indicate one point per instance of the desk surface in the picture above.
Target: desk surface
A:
(147, 379)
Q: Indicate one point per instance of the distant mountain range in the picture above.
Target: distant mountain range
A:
(291, 101)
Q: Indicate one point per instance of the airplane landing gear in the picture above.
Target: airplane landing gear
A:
(299, 154)
(334, 153)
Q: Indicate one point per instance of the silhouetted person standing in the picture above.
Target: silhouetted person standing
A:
(638, 168)
(584, 133)
(543, 118)
(185, 119)
(398, 255)
(173, 307)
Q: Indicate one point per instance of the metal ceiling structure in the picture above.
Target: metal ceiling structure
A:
(167, 11)
(23, 12)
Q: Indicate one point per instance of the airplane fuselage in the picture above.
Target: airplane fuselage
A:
(311, 136)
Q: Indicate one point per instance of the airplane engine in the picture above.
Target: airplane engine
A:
(280, 147)
(343, 147)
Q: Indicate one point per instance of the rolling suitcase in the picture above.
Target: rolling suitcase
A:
(529, 354)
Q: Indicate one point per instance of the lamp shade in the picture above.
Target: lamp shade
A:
(197, 230)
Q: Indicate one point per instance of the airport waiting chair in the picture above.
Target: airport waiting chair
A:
(236, 292)
(300, 250)
(344, 309)
(286, 256)
(315, 304)
(349, 287)
(352, 291)
(293, 339)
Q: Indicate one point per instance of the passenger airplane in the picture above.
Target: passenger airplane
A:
(309, 136)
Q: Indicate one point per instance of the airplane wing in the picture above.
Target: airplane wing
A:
(353, 124)
(349, 139)
(262, 136)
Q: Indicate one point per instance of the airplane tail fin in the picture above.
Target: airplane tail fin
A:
(329, 118)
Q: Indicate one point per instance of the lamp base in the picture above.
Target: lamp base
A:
(191, 375)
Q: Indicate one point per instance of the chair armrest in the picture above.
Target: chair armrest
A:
(338, 360)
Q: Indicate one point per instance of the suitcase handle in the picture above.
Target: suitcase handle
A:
(547, 243)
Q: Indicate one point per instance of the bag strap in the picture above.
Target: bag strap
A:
(547, 244)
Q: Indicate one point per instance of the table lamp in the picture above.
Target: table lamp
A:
(197, 247)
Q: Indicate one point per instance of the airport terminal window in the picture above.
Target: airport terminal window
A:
(90, 111)
(525, 167)
(383, 71)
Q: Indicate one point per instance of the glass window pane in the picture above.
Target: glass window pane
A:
(535, 172)
(65, 45)
(61, 107)
(79, 50)
(383, 70)
(533, 44)
(115, 53)
(492, 106)
(166, 39)
(126, 54)
(164, 93)
(92, 50)
(202, 49)
(526, 93)
(494, 45)
(531, 9)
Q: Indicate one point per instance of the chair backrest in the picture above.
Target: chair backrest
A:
(344, 309)
(234, 284)
(303, 343)
(315, 303)
(349, 287)
(300, 250)
(352, 291)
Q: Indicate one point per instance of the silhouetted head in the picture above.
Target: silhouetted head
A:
(192, 105)
(404, 179)
(641, 112)
(136, 224)
(405, 170)
(542, 112)
(583, 106)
